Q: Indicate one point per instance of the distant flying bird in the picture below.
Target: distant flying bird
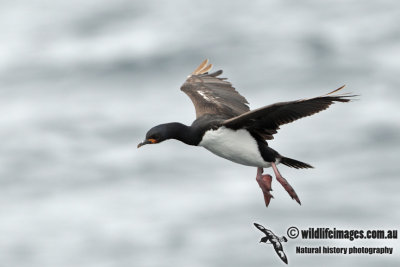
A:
(227, 127)
(274, 240)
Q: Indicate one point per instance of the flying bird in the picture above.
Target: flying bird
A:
(274, 240)
(227, 127)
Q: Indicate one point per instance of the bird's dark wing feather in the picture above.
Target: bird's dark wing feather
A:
(213, 95)
(266, 120)
(279, 250)
(260, 227)
(266, 231)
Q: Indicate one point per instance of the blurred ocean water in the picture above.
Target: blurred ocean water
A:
(82, 82)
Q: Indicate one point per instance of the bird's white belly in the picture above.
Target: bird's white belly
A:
(235, 145)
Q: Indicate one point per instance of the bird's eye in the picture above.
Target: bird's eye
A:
(154, 137)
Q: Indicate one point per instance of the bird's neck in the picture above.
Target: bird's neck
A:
(183, 133)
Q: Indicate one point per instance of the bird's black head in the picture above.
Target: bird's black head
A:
(155, 135)
(163, 132)
(264, 239)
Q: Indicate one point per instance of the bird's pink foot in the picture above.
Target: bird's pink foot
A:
(288, 188)
(264, 181)
(285, 184)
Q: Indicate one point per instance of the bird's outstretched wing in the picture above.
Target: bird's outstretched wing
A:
(279, 250)
(261, 228)
(211, 94)
(266, 231)
(266, 120)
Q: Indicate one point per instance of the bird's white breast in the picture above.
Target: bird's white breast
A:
(235, 145)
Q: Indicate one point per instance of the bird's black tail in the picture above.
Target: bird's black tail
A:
(295, 163)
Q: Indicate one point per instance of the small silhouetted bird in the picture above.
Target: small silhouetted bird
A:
(274, 240)
(228, 128)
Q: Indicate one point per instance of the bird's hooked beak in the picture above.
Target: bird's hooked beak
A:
(148, 141)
